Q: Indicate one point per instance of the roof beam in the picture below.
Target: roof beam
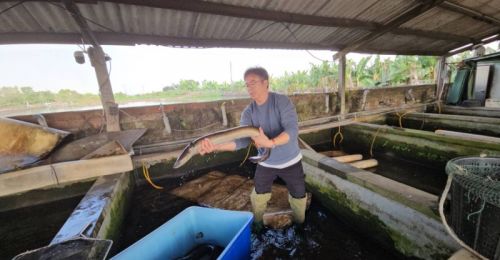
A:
(470, 12)
(277, 16)
(492, 38)
(251, 13)
(411, 13)
(82, 23)
(111, 38)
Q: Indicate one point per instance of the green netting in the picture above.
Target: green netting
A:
(480, 176)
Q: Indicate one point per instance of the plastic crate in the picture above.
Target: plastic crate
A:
(195, 226)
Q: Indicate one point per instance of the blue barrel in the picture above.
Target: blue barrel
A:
(192, 227)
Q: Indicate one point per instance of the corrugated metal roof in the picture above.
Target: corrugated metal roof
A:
(312, 24)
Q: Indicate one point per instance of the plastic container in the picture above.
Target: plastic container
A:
(195, 226)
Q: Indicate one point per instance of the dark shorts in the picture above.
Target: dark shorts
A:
(292, 175)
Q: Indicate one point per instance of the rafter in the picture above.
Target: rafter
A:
(411, 13)
(110, 38)
(278, 16)
(471, 13)
(87, 34)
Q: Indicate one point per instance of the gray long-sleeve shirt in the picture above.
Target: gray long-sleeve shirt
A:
(276, 115)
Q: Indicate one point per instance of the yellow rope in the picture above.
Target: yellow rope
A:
(335, 138)
(145, 171)
(422, 126)
(246, 156)
(401, 118)
(373, 141)
(439, 107)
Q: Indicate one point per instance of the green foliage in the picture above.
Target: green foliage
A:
(368, 72)
(189, 84)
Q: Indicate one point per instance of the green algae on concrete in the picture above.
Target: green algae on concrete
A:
(363, 216)
(163, 169)
(431, 122)
(114, 214)
(418, 145)
(45, 195)
(100, 213)
(416, 199)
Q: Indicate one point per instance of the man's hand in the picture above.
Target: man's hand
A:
(206, 146)
(262, 141)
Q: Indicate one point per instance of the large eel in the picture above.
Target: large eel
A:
(221, 137)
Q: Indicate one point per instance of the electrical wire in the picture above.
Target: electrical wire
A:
(259, 31)
(297, 39)
(86, 18)
(12, 6)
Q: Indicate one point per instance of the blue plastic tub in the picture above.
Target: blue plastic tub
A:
(195, 226)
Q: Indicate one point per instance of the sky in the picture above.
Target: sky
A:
(143, 68)
(146, 68)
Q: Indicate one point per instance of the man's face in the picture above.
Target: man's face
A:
(256, 86)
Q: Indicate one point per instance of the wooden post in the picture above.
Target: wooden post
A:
(441, 74)
(111, 111)
(341, 90)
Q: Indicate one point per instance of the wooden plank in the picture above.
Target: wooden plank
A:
(194, 189)
(342, 86)
(348, 158)
(466, 136)
(333, 153)
(28, 179)
(471, 111)
(59, 173)
(98, 61)
(232, 192)
(316, 128)
(365, 164)
(239, 199)
(89, 169)
(221, 191)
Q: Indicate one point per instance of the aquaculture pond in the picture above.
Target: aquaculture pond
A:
(322, 236)
(409, 172)
(33, 227)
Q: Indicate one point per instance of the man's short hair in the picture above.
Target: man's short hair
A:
(259, 71)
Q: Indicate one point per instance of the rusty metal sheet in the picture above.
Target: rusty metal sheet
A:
(80, 148)
(109, 149)
(24, 143)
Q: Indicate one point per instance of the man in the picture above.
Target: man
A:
(276, 118)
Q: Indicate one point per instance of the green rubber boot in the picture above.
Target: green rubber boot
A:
(259, 205)
(298, 208)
